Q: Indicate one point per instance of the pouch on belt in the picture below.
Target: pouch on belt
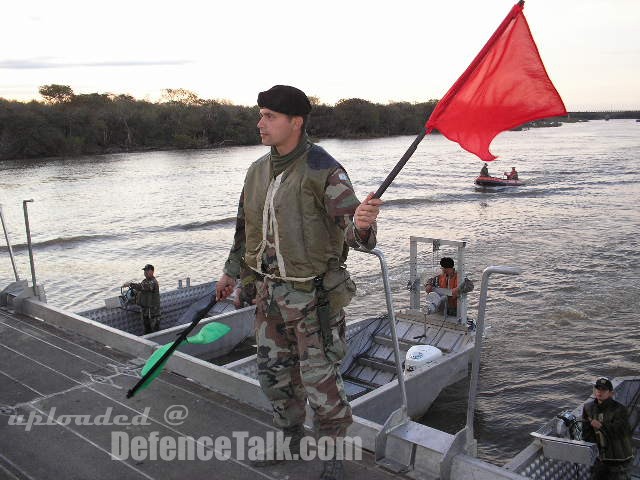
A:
(340, 289)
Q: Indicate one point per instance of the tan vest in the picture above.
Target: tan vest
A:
(306, 237)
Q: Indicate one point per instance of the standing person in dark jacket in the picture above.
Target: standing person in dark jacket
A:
(606, 422)
(148, 297)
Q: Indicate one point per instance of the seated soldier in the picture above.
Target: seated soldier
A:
(512, 175)
(449, 279)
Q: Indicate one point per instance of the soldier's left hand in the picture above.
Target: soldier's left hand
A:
(237, 298)
(367, 212)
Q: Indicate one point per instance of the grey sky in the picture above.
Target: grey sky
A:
(381, 51)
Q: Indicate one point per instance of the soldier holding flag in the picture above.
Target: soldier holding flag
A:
(297, 216)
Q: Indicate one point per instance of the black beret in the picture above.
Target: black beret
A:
(285, 99)
(446, 262)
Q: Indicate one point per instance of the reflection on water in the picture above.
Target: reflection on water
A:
(571, 315)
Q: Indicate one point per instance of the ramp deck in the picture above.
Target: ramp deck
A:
(47, 373)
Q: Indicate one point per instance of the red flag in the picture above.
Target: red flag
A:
(505, 86)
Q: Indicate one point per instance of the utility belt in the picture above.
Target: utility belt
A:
(305, 286)
(334, 290)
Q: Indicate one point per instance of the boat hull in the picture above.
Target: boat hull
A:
(372, 386)
(172, 305)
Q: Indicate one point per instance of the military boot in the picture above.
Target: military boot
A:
(332, 470)
(295, 434)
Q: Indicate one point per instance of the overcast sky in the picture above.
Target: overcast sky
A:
(402, 50)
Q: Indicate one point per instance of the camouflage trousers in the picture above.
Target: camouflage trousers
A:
(293, 365)
(150, 321)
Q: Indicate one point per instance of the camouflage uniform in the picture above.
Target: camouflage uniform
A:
(293, 364)
(148, 298)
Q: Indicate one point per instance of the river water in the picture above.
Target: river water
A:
(572, 315)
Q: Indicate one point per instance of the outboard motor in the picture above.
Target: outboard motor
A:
(420, 356)
(569, 424)
(127, 297)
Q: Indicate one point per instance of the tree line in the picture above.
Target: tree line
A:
(69, 124)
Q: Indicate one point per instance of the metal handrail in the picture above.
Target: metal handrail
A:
(475, 370)
(392, 321)
(399, 416)
(26, 224)
(6, 236)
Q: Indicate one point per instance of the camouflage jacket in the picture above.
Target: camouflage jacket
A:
(148, 294)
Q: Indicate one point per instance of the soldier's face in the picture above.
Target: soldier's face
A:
(278, 129)
(602, 395)
(148, 273)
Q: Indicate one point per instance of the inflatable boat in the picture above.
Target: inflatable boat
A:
(483, 181)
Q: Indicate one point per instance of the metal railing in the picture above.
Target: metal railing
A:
(6, 236)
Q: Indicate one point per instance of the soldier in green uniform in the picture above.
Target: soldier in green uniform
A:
(297, 216)
(148, 298)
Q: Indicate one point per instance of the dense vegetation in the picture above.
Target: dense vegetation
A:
(66, 124)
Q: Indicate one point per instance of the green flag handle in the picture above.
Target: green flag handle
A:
(197, 312)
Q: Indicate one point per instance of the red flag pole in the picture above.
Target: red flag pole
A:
(405, 158)
(411, 150)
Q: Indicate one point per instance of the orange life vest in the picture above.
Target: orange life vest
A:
(450, 283)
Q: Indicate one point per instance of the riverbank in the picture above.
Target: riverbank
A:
(72, 125)
(195, 146)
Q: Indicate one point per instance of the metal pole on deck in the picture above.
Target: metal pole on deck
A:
(475, 369)
(6, 236)
(33, 268)
(392, 322)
